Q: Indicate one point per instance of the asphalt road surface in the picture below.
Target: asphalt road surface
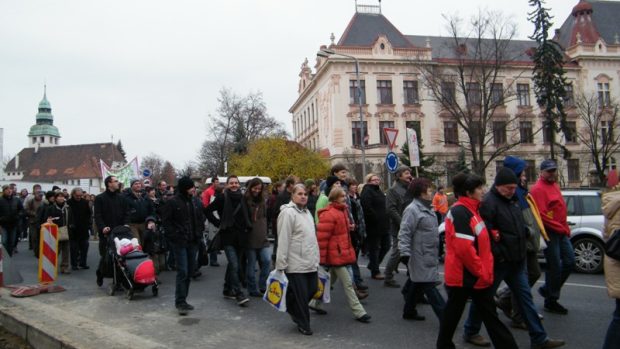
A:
(217, 321)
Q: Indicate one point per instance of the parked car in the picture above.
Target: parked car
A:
(586, 220)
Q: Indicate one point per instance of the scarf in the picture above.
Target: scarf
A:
(233, 204)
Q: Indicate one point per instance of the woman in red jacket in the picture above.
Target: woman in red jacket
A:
(469, 265)
(336, 249)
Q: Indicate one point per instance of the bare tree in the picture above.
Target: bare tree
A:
(168, 173)
(600, 119)
(239, 121)
(472, 88)
(155, 163)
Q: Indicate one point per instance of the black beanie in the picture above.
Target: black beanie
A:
(184, 184)
(329, 182)
(506, 176)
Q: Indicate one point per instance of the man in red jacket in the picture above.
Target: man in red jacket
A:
(559, 252)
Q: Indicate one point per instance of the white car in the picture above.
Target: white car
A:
(585, 218)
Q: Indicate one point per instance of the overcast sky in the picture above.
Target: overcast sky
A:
(149, 71)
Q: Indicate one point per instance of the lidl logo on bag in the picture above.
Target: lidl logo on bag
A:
(320, 290)
(275, 292)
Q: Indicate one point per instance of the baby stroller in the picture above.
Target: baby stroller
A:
(133, 270)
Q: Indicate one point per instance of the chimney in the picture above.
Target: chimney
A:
(36, 147)
(17, 162)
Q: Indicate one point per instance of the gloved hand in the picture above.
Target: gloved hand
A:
(404, 260)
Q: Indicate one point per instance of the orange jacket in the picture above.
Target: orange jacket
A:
(333, 236)
(440, 203)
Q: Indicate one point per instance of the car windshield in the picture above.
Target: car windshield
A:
(591, 205)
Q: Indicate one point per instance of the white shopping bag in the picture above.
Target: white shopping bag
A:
(324, 287)
(275, 294)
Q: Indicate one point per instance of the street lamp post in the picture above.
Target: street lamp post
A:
(326, 53)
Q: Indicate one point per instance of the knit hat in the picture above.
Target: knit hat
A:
(309, 182)
(505, 176)
(329, 182)
(515, 164)
(133, 180)
(5, 187)
(184, 184)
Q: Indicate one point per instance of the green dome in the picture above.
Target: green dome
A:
(43, 130)
(45, 104)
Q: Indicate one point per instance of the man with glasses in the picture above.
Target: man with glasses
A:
(559, 252)
(111, 210)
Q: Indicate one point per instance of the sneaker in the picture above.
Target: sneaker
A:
(182, 311)
(228, 294)
(391, 283)
(241, 299)
(364, 319)
(555, 307)
(187, 306)
(361, 294)
(477, 340)
(549, 343)
(415, 316)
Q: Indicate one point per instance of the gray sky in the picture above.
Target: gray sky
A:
(149, 71)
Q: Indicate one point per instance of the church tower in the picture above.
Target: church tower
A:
(44, 133)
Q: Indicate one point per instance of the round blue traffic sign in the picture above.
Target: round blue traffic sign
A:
(146, 172)
(391, 162)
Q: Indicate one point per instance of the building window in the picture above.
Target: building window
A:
(499, 132)
(525, 130)
(523, 94)
(474, 130)
(355, 133)
(34, 139)
(384, 124)
(353, 92)
(571, 135)
(474, 95)
(450, 132)
(417, 126)
(606, 132)
(384, 91)
(42, 139)
(530, 170)
(569, 99)
(410, 89)
(546, 131)
(604, 99)
(573, 170)
(448, 93)
(497, 94)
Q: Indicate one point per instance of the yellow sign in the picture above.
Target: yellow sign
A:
(275, 292)
(320, 290)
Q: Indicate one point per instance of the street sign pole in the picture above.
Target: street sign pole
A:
(391, 159)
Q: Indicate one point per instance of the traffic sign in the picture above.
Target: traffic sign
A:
(391, 162)
(390, 135)
(146, 172)
(147, 182)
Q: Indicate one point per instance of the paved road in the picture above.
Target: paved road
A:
(221, 322)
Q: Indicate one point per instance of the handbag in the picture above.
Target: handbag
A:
(612, 246)
(203, 254)
(63, 233)
(215, 245)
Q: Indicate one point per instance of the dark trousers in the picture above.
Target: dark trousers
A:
(612, 339)
(9, 239)
(415, 292)
(483, 299)
(507, 300)
(232, 281)
(34, 238)
(301, 289)
(378, 247)
(185, 257)
(560, 262)
(79, 252)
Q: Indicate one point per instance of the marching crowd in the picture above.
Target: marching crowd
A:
(490, 238)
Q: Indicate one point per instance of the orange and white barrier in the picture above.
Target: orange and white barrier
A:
(48, 253)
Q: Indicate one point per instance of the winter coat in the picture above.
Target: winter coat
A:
(237, 234)
(11, 209)
(140, 207)
(611, 210)
(359, 234)
(80, 211)
(111, 210)
(333, 236)
(298, 250)
(183, 220)
(375, 214)
(469, 260)
(62, 216)
(552, 206)
(257, 212)
(396, 199)
(505, 216)
(418, 239)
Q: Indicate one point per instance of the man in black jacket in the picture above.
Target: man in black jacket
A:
(111, 210)
(396, 199)
(504, 221)
(183, 222)
(78, 229)
(140, 208)
(11, 209)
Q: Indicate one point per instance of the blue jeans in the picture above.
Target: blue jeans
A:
(415, 290)
(515, 276)
(560, 262)
(613, 332)
(231, 280)
(9, 239)
(264, 262)
(185, 257)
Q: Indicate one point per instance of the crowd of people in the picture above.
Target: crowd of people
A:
(490, 237)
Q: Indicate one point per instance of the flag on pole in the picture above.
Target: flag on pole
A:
(414, 149)
(123, 174)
